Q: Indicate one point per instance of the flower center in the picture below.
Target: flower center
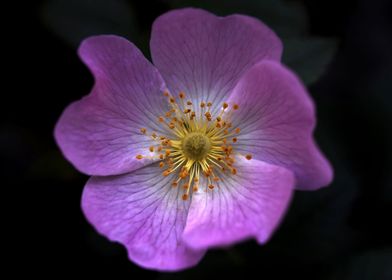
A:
(197, 144)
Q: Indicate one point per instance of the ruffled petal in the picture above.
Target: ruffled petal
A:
(249, 204)
(143, 212)
(100, 134)
(205, 55)
(277, 119)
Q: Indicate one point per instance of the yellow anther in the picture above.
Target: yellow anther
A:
(185, 196)
(165, 93)
(161, 164)
(171, 125)
(139, 156)
(185, 186)
(161, 119)
(209, 104)
(167, 153)
(151, 148)
(166, 172)
(225, 105)
(235, 107)
(172, 100)
(186, 111)
(160, 156)
(237, 130)
(189, 103)
(234, 171)
(181, 95)
(159, 148)
(143, 130)
(218, 119)
(234, 139)
(202, 104)
(248, 156)
(211, 187)
(174, 184)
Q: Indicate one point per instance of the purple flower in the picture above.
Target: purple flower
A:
(202, 149)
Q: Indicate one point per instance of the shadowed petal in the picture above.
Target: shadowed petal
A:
(142, 211)
(249, 204)
(205, 55)
(100, 134)
(277, 119)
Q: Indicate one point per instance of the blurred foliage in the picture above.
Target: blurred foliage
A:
(74, 20)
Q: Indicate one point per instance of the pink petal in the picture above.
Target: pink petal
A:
(277, 119)
(249, 204)
(100, 134)
(205, 55)
(143, 212)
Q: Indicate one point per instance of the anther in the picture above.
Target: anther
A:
(161, 164)
(234, 139)
(151, 148)
(211, 187)
(185, 196)
(225, 105)
(139, 156)
(235, 107)
(248, 157)
(189, 103)
(143, 130)
(181, 95)
(166, 172)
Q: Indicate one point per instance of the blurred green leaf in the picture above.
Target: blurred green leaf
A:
(374, 265)
(308, 57)
(74, 20)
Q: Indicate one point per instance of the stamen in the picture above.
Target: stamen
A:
(197, 144)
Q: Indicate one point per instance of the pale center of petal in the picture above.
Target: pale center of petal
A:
(198, 145)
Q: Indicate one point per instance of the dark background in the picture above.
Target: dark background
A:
(340, 232)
